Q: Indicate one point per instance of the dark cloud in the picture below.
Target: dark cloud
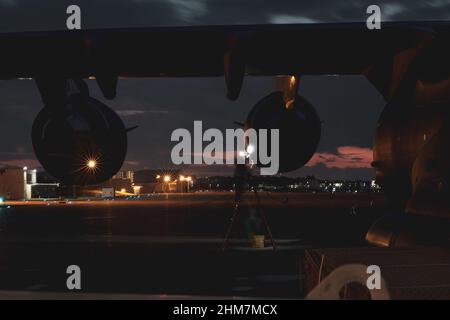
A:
(20, 15)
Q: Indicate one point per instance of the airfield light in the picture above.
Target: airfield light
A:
(137, 189)
(166, 178)
(292, 81)
(91, 164)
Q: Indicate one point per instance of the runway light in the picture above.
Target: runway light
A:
(292, 81)
(137, 189)
(91, 164)
(166, 178)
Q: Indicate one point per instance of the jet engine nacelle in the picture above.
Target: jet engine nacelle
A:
(299, 127)
(83, 143)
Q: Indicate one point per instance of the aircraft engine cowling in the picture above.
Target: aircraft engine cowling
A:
(299, 127)
(82, 144)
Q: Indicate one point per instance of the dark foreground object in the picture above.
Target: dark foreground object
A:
(172, 244)
(409, 272)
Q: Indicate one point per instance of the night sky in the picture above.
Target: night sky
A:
(348, 106)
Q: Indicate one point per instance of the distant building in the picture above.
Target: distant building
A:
(44, 191)
(121, 185)
(162, 180)
(125, 175)
(154, 175)
(13, 183)
(108, 193)
(21, 183)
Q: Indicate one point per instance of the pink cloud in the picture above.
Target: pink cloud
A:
(345, 157)
(217, 155)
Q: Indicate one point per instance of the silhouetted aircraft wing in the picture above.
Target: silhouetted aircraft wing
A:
(310, 49)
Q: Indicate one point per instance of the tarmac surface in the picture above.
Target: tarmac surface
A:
(171, 244)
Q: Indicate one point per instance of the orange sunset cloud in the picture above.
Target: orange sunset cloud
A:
(345, 157)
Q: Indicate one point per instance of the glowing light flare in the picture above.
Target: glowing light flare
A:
(166, 178)
(291, 92)
(290, 103)
(292, 82)
(91, 164)
(137, 189)
(250, 149)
